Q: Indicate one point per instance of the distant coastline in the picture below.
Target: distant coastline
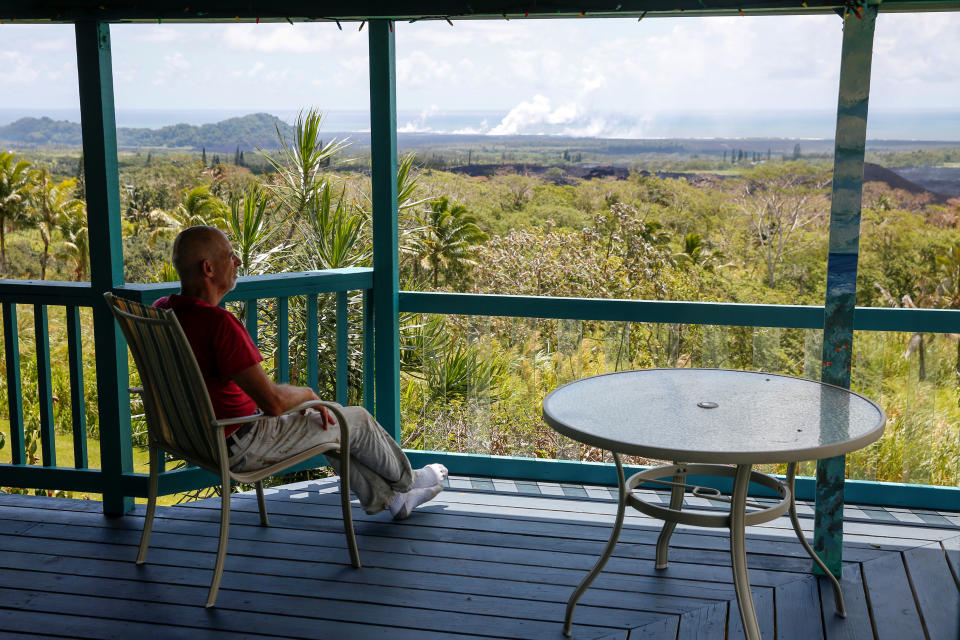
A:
(905, 125)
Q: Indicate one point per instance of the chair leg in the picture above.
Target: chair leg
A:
(224, 535)
(151, 505)
(262, 504)
(345, 497)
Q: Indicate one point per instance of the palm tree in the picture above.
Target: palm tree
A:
(15, 185)
(52, 203)
(299, 165)
(333, 231)
(76, 240)
(447, 238)
(196, 207)
(252, 231)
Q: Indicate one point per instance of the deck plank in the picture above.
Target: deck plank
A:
(857, 624)
(703, 623)
(951, 547)
(801, 619)
(763, 604)
(469, 564)
(936, 591)
(891, 599)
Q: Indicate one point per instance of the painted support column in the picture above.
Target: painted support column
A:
(845, 202)
(386, 273)
(98, 123)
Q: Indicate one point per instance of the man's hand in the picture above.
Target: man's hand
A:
(328, 419)
(272, 398)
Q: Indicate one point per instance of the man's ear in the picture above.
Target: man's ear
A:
(206, 268)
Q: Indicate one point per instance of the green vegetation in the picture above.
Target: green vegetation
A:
(745, 228)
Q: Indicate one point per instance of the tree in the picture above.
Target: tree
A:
(447, 239)
(781, 202)
(197, 206)
(52, 202)
(300, 163)
(76, 240)
(15, 186)
(251, 231)
(203, 156)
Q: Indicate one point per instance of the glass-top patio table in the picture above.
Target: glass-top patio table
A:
(706, 420)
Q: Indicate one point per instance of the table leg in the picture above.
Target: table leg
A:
(738, 552)
(837, 591)
(676, 502)
(607, 551)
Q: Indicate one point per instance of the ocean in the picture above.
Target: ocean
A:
(940, 125)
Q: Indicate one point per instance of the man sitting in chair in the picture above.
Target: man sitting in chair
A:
(380, 473)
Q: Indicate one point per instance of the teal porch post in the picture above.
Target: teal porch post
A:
(841, 296)
(386, 275)
(95, 76)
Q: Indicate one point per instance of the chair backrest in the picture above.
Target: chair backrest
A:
(178, 408)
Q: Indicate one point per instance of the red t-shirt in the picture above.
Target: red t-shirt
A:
(223, 348)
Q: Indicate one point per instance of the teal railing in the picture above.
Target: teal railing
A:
(677, 313)
(72, 297)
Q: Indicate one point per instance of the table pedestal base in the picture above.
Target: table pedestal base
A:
(736, 521)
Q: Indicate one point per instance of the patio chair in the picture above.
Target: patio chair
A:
(180, 420)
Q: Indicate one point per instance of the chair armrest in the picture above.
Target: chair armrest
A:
(135, 389)
(309, 404)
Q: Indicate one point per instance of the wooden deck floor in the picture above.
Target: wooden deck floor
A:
(473, 563)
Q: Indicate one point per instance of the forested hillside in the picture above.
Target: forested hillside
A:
(245, 133)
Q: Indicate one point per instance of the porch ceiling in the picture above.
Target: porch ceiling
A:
(217, 10)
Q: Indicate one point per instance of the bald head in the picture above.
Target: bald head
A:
(193, 246)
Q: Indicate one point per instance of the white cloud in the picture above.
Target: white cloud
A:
(16, 68)
(420, 69)
(420, 124)
(529, 114)
(280, 38)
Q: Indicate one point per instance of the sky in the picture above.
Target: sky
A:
(582, 75)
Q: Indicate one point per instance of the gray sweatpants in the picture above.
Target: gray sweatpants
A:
(378, 467)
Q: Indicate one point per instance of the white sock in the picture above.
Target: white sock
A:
(429, 475)
(404, 503)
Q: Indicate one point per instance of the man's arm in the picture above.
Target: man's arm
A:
(272, 398)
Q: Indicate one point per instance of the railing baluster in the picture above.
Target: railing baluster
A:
(48, 436)
(251, 320)
(283, 340)
(313, 339)
(343, 335)
(77, 408)
(368, 350)
(14, 396)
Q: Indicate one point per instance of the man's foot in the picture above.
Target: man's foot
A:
(429, 475)
(404, 503)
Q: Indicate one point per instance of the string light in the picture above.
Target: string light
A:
(506, 18)
(289, 20)
(642, 16)
(258, 19)
(742, 13)
(338, 25)
(361, 25)
(390, 24)
(449, 22)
